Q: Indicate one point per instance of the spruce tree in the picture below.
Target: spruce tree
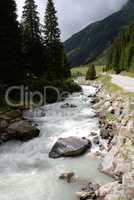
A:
(32, 41)
(53, 45)
(91, 73)
(10, 47)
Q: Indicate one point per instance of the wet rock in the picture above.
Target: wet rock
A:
(93, 134)
(96, 140)
(101, 147)
(71, 146)
(21, 130)
(95, 100)
(92, 95)
(104, 133)
(67, 176)
(67, 105)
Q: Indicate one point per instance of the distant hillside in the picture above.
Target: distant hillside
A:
(121, 55)
(91, 42)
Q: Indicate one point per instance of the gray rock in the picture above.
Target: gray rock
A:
(107, 165)
(104, 133)
(93, 134)
(95, 100)
(21, 130)
(67, 176)
(101, 147)
(96, 140)
(71, 146)
(3, 124)
(67, 105)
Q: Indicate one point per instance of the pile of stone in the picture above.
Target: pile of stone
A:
(89, 192)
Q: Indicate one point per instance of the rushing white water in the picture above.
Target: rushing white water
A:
(26, 172)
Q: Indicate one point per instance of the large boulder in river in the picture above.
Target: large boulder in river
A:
(71, 146)
(21, 130)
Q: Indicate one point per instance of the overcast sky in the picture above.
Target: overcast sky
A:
(76, 14)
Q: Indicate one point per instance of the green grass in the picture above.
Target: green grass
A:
(130, 74)
(108, 85)
(82, 70)
(113, 88)
(111, 117)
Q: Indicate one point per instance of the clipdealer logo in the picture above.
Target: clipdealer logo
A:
(27, 97)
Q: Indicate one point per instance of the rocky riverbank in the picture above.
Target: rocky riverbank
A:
(13, 126)
(116, 119)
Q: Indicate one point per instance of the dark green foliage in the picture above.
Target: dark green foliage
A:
(70, 86)
(25, 58)
(10, 44)
(53, 45)
(91, 42)
(122, 52)
(91, 73)
(32, 41)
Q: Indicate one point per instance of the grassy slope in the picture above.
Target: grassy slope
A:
(83, 69)
(105, 79)
(113, 88)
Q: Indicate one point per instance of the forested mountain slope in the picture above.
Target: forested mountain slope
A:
(88, 44)
(121, 55)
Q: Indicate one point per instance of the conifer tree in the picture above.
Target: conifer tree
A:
(10, 49)
(32, 41)
(52, 42)
(91, 73)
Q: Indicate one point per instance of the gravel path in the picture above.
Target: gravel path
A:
(124, 82)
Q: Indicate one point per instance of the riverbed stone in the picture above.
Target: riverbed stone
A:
(21, 130)
(67, 176)
(93, 133)
(110, 191)
(3, 124)
(88, 192)
(71, 146)
(68, 105)
(13, 114)
(107, 165)
(104, 133)
(96, 140)
(128, 185)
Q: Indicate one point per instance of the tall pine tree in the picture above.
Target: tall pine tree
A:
(53, 45)
(32, 41)
(10, 47)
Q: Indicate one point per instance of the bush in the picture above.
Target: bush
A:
(38, 84)
(70, 86)
(91, 73)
